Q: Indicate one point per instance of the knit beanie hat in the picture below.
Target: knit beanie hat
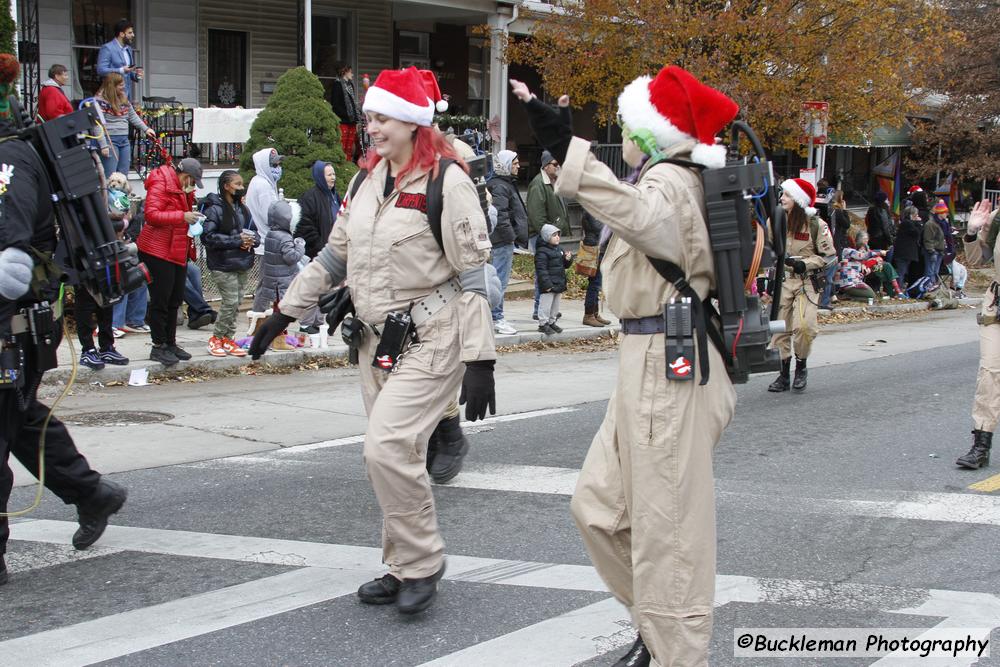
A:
(940, 208)
(547, 232)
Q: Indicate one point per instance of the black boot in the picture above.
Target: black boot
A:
(801, 375)
(637, 656)
(979, 456)
(781, 383)
(415, 595)
(432, 447)
(3, 571)
(451, 450)
(93, 513)
(380, 591)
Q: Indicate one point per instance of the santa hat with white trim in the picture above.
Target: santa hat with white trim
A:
(802, 192)
(433, 90)
(674, 106)
(401, 94)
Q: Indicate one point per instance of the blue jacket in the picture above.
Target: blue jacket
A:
(111, 59)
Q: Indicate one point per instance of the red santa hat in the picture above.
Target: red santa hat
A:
(802, 192)
(914, 188)
(433, 90)
(401, 94)
(676, 107)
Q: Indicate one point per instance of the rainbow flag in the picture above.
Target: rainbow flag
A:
(887, 179)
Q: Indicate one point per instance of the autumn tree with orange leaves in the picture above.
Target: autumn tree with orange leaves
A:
(865, 58)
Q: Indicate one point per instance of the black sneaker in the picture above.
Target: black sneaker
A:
(637, 656)
(91, 359)
(3, 571)
(93, 513)
(534, 316)
(200, 321)
(310, 330)
(164, 355)
(113, 357)
(555, 327)
(380, 591)
(180, 353)
(416, 595)
(546, 329)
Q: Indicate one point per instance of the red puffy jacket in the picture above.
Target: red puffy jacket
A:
(165, 233)
(52, 103)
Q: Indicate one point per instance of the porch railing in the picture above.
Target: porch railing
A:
(611, 155)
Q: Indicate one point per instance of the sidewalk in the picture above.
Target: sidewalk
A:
(137, 346)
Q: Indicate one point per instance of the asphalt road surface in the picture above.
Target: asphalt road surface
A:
(837, 508)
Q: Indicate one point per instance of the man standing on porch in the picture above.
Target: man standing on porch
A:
(344, 101)
(118, 56)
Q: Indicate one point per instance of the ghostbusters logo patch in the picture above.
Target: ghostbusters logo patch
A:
(681, 367)
(6, 176)
(412, 200)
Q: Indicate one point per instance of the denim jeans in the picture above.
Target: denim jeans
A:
(591, 301)
(192, 292)
(824, 301)
(502, 260)
(932, 265)
(131, 309)
(120, 158)
(902, 265)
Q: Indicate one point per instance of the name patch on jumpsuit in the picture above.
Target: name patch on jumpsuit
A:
(412, 200)
(802, 236)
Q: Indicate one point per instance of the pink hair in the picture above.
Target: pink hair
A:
(428, 146)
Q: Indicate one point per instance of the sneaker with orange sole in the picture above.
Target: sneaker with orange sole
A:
(230, 346)
(216, 346)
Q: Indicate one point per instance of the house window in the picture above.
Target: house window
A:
(414, 49)
(479, 76)
(332, 45)
(227, 68)
(93, 26)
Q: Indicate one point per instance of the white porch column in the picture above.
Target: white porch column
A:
(499, 30)
(307, 31)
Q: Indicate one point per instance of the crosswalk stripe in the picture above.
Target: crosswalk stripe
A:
(562, 640)
(142, 629)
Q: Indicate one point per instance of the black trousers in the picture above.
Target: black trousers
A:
(86, 309)
(166, 294)
(67, 473)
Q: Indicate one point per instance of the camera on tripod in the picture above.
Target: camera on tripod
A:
(107, 267)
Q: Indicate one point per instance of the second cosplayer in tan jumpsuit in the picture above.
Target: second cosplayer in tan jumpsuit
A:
(393, 260)
(799, 300)
(645, 502)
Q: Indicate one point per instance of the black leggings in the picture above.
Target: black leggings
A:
(86, 309)
(166, 294)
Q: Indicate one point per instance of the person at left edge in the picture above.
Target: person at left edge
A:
(383, 245)
(27, 231)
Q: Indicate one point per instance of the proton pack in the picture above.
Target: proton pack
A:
(737, 199)
(108, 268)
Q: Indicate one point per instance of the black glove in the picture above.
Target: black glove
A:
(337, 305)
(478, 390)
(271, 329)
(552, 126)
(797, 265)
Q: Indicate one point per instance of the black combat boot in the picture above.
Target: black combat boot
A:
(432, 447)
(637, 656)
(801, 375)
(94, 512)
(979, 456)
(451, 450)
(782, 382)
(415, 595)
(380, 591)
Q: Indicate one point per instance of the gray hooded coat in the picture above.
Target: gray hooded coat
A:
(262, 191)
(282, 253)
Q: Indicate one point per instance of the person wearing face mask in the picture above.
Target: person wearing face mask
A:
(320, 205)
(263, 190)
(165, 245)
(118, 57)
(229, 254)
(644, 502)
(384, 245)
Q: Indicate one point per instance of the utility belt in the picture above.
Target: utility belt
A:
(399, 332)
(33, 339)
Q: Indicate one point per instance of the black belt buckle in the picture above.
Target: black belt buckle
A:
(397, 335)
(679, 340)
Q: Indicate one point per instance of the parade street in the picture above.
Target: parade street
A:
(250, 521)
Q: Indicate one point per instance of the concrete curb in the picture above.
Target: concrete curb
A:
(892, 307)
(283, 359)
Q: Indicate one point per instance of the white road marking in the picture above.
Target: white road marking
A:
(352, 564)
(142, 629)
(562, 640)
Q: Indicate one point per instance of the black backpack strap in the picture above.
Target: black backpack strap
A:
(358, 180)
(702, 313)
(435, 200)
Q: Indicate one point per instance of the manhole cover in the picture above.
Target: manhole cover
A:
(117, 418)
